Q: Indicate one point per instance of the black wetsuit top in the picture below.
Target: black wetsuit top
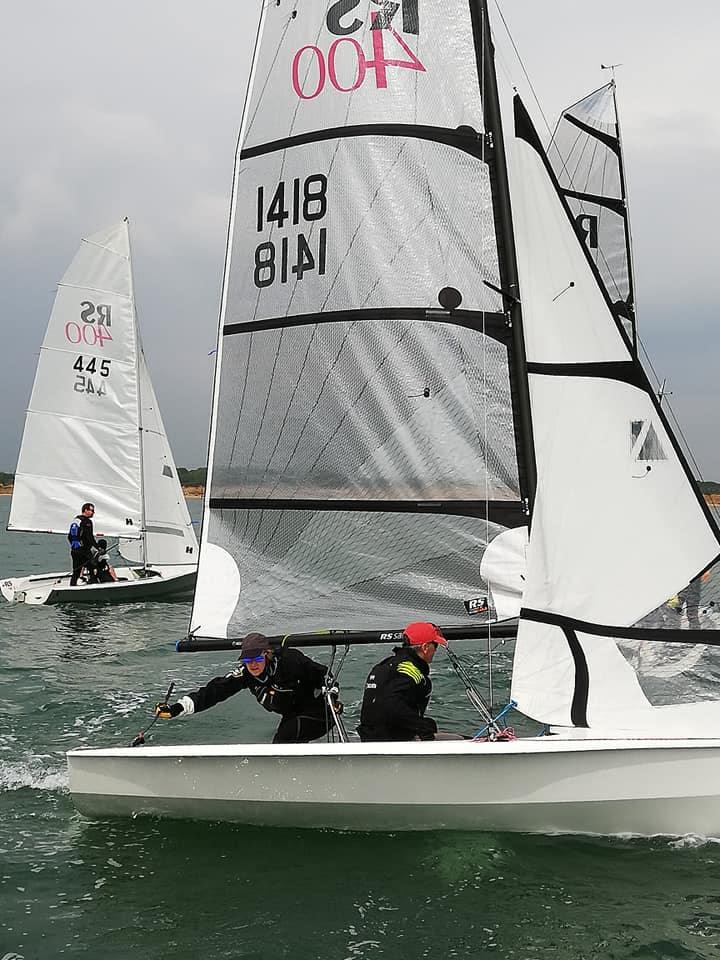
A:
(397, 692)
(291, 686)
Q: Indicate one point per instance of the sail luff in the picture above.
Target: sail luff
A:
(507, 257)
(209, 583)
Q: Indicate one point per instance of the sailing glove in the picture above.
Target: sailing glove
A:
(165, 711)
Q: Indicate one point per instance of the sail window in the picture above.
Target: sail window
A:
(645, 442)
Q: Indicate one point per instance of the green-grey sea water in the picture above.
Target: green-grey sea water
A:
(70, 887)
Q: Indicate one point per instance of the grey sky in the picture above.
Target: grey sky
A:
(113, 110)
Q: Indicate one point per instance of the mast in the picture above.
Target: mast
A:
(507, 260)
(138, 349)
(628, 237)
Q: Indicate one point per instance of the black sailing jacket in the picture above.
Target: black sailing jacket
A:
(291, 685)
(397, 692)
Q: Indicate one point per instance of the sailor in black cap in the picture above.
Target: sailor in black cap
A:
(283, 681)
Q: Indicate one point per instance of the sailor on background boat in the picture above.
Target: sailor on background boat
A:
(283, 681)
(398, 689)
(82, 540)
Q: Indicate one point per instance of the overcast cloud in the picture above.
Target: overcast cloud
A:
(112, 110)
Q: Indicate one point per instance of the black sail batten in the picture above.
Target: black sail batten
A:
(504, 512)
(611, 142)
(664, 635)
(507, 258)
(525, 129)
(493, 325)
(502, 630)
(465, 139)
(625, 371)
(617, 206)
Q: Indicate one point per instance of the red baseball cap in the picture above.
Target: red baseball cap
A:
(418, 633)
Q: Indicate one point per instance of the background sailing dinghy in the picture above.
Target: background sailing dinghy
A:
(421, 377)
(93, 432)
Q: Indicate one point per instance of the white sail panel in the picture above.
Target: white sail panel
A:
(81, 433)
(565, 315)
(361, 223)
(320, 65)
(311, 570)
(593, 479)
(365, 410)
(168, 532)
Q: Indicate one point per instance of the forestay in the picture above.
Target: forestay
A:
(363, 444)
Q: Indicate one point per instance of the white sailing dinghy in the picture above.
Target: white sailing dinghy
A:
(93, 432)
(419, 360)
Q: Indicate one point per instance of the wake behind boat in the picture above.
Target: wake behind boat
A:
(93, 432)
(411, 304)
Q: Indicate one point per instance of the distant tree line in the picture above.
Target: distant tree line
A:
(709, 486)
(192, 478)
(187, 477)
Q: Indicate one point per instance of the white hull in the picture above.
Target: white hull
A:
(548, 785)
(163, 581)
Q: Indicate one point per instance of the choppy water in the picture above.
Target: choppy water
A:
(70, 887)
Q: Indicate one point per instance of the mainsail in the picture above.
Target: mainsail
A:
(93, 429)
(365, 422)
(587, 156)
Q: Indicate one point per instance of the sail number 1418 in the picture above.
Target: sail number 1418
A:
(301, 201)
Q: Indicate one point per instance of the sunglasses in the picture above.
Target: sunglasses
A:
(258, 659)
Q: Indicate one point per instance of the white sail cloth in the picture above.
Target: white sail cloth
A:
(81, 439)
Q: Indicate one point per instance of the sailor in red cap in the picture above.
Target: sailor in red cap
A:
(397, 690)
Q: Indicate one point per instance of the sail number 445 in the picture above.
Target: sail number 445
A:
(83, 379)
(300, 201)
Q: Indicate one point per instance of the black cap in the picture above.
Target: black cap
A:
(254, 644)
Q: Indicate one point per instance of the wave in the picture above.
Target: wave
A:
(34, 773)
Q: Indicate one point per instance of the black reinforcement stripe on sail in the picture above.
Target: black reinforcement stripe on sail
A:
(525, 130)
(464, 138)
(493, 325)
(578, 707)
(709, 637)
(500, 630)
(612, 203)
(626, 371)
(612, 143)
(506, 513)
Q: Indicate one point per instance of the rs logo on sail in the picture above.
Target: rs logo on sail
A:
(382, 19)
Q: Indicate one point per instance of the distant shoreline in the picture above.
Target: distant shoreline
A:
(192, 492)
(196, 492)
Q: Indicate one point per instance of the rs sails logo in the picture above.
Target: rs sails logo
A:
(346, 63)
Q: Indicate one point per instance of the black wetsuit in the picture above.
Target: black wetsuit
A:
(82, 540)
(397, 692)
(290, 685)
